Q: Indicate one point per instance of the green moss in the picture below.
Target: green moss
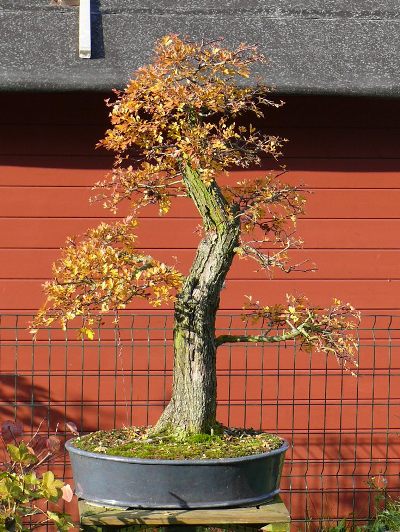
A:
(138, 442)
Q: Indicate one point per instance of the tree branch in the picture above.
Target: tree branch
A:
(243, 338)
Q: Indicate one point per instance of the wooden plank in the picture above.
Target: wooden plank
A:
(55, 139)
(44, 171)
(361, 264)
(99, 161)
(271, 512)
(181, 233)
(61, 108)
(47, 202)
(374, 295)
(74, 202)
(52, 139)
(330, 173)
(353, 203)
(339, 142)
(327, 110)
(299, 110)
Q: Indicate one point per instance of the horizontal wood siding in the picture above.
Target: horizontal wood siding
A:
(344, 151)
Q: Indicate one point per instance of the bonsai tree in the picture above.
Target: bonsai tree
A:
(181, 123)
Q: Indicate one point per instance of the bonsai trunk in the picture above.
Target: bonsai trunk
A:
(193, 403)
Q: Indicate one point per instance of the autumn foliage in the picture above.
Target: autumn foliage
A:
(182, 122)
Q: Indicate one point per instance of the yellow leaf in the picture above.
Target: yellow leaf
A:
(85, 331)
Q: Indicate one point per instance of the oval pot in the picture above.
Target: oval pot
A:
(143, 483)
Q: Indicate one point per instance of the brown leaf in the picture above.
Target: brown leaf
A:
(53, 444)
(38, 443)
(10, 430)
(72, 428)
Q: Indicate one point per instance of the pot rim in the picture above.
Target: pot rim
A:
(207, 461)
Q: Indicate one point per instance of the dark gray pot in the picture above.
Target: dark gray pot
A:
(142, 483)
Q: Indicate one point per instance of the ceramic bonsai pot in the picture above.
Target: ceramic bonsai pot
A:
(144, 483)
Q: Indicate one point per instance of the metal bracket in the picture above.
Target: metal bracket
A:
(85, 46)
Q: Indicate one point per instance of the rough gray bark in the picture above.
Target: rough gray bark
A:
(193, 404)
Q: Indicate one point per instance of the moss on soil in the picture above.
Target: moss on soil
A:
(138, 442)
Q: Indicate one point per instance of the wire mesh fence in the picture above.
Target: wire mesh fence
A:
(343, 430)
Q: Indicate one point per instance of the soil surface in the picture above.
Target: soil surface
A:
(138, 442)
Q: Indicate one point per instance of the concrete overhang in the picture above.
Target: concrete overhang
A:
(314, 46)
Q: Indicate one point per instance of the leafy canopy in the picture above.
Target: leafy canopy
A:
(184, 111)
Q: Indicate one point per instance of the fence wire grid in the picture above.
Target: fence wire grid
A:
(343, 430)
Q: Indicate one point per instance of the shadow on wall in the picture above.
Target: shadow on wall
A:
(28, 401)
(97, 30)
(60, 130)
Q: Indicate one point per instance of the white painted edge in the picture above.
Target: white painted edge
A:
(85, 47)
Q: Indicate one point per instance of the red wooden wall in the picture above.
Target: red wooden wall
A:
(346, 150)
